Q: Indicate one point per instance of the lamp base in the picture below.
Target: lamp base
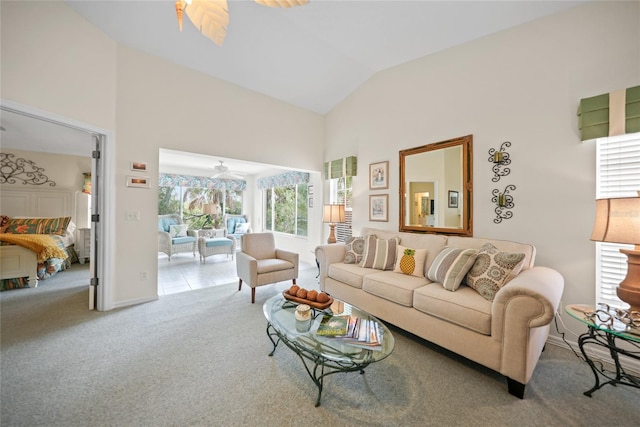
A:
(332, 234)
(629, 289)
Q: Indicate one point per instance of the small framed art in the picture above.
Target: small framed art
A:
(138, 181)
(138, 167)
(379, 207)
(379, 176)
(453, 199)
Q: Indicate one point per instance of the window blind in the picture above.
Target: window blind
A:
(618, 175)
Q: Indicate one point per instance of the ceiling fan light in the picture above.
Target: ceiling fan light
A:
(282, 3)
(211, 18)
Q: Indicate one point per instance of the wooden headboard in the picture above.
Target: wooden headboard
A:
(37, 203)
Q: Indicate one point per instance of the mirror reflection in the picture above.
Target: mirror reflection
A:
(435, 187)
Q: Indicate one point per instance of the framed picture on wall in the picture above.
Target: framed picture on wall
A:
(379, 176)
(379, 207)
(453, 199)
(138, 181)
(138, 166)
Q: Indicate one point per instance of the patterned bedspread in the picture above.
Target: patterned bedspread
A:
(53, 256)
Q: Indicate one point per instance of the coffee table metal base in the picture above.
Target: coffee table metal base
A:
(317, 367)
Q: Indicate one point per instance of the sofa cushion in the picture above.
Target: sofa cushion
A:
(355, 250)
(493, 269)
(419, 256)
(242, 227)
(465, 307)
(395, 287)
(450, 266)
(379, 253)
(350, 274)
(178, 230)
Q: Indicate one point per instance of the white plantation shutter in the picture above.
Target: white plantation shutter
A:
(618, 175)
(340, 192)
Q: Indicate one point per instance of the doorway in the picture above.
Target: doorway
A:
(46, 132)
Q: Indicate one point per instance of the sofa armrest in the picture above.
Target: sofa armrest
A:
(247, 267)
(541, 287)
(521, 314)
(327, 255)
(292, 257)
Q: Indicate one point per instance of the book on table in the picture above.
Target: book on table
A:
(352, 330)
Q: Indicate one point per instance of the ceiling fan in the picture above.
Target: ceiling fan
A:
(211, 17)
(222, 172)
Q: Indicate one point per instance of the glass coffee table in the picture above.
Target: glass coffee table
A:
(322, 355)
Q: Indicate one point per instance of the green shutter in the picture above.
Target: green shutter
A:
(632, 110)
(593, 117)
(341, 168)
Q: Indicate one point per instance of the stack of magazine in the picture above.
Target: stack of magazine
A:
(352, 330)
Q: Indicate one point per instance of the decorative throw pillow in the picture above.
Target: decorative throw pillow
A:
(410, 261)
(355, 250)
(242, 228)
(178, 230)
(38, 225)
(4, 221)
(492, 270)
(451, 265)
(379, 253)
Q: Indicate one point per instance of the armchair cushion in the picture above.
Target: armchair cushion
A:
(178, 230)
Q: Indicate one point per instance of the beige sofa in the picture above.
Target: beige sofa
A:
(506, 335)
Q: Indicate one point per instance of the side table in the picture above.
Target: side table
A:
(605, 330)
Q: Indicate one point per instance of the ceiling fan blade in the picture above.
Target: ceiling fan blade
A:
(282, 3)
(211, 18)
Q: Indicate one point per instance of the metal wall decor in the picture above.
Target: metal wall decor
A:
(504, 202)
(500, 159)
(13, 171)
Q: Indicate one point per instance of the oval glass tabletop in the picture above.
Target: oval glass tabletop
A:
(280, 314)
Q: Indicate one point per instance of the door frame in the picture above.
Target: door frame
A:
(106, 197)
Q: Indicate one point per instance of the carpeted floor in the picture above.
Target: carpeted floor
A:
(199, 358)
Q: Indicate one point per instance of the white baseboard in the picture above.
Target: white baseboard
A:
(134, 302)
(598, 353)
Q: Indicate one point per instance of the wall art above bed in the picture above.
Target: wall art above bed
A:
(21, 171)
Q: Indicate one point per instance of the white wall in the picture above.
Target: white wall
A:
(522, 85)
(54, 60)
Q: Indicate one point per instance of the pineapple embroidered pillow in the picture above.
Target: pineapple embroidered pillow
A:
(410, 261)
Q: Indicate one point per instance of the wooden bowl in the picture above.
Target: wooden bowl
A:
(314, 304)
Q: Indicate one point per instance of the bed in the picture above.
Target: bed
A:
(48, 214)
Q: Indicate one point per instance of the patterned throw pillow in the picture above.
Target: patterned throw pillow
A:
(178, 230)
(492, 270)
(451, 265)
(355, 250)
(4, 221)
(38, 225)
(242, 228)
(419, 257)
(379, 253)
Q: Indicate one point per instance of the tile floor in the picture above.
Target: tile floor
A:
(185, 272)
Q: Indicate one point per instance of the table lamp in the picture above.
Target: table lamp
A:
(332, 214)
(618, 221)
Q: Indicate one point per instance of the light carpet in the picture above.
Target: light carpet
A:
(200, 358)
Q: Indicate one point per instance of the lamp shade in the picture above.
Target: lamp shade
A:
(617, 220)
(333, 213)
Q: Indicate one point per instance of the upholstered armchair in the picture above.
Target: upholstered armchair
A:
(261, 263)
(236, 226)
(174, 237)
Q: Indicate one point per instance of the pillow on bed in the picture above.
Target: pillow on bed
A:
(4, 221)
(38, 225)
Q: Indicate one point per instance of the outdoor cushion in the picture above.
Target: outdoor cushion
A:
(218, 241)
(180, 240)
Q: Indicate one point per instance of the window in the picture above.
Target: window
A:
(286, 209)
(617, 175)
(341, 192)
(188, 202)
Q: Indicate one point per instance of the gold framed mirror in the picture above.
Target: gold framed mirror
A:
(436, 191)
